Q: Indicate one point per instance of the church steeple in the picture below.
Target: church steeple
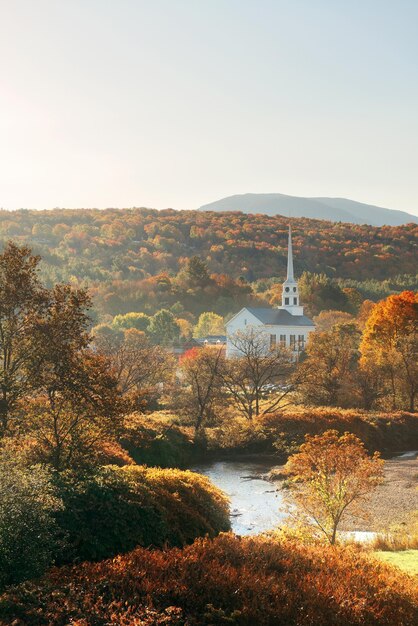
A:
(290, 275)
(290, 292)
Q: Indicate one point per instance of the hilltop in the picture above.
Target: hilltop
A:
(333, 209)
(135, 259)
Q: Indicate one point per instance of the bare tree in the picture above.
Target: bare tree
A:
(200, 372)
(259, 379)
(138, 365)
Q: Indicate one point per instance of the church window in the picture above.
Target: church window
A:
(301, 342)
(295, 300)
(282, 340)
(293, 342)
(286, 300)
(245, 322)
(287, 289)
(272, 342)
(294, 289)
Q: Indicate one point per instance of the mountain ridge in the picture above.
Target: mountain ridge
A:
(332, 209)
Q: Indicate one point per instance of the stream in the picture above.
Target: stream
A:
(256, 504)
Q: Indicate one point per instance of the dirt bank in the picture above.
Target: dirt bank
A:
(393, 502)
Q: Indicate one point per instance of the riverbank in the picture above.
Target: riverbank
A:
(257, 504)
(392, 503)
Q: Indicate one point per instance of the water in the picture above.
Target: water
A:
(256, 504)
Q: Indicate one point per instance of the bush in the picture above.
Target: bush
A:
(115, 509)
(388, 433)
(151, 440)
(28, 532)
(399, 537)
(247, 581)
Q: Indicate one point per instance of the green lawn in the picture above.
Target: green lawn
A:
(407, 560)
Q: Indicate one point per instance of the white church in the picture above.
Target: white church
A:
(285, 325)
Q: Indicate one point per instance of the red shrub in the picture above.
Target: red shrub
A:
(247, 581)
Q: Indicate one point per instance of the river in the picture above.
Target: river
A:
(256, 504)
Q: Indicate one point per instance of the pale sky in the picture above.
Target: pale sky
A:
(176, 103)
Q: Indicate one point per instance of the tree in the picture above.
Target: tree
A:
(28, 531)
(330, 476)
(209, 324)
(186, 328)
(199, 369)
(197, 273)
(327, 319)
(318, 293)
(258, 378)
(74, 401)
(331, 359)
(364, 313)
(140, 321)
(69, 420)
(369, 384)
(163, 327)
(140, 368)
(390, 343)
(22, 301)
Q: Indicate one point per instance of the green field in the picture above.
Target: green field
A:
(406, 560)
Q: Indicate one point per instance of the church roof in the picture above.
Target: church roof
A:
(279, 317)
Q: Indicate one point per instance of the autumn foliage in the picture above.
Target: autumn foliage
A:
(112, 510)
(386, 431)
(228, 580)
(390, 345)
(331, 475)
(136, 259)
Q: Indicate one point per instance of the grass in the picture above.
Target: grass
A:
(406, 560)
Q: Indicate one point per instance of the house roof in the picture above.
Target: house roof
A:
(279, 317)
(212, 339)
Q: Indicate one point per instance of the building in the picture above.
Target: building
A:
(212, 340)
(285, 325)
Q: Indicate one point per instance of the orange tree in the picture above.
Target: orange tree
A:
(390, 345)
(330, 476)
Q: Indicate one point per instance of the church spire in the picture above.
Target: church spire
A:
(290, 290)
(290, 276)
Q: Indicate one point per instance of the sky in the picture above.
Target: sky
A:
(176, 103)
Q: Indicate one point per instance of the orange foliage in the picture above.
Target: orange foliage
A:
(243, 581)
(121, 253)
(332, 475)
(390, 341)
(387, 432)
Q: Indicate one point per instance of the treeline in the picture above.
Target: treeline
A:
(136, 259)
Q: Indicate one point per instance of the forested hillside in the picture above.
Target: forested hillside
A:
(138, 259)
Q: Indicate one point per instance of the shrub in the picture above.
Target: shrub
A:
(228, 580)
(153, 441)
(388, 433)
(28, 532)
(115, 509)
(399, 537)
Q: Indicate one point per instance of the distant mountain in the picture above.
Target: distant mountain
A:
(333, 209)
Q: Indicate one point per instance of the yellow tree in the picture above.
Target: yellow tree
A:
(330, 476)
(390, 343)
(209, 324)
